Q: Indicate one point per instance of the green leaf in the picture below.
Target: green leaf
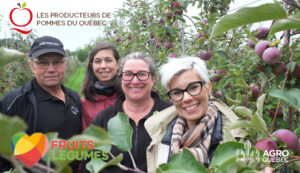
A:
(292, 22)
(295, 165)
(223, 54)
(98, 165)
(260, 104)
(231, 101)
(248, 15)
(196, 17)
(241, 124)
(182, 162)
(65, 169)
(231, 155)
(9, 126)
(258, 123)
(50, 136)
(228, 136)
(99, 133)
(180, 18)
(24, 5)
(243, 111)
(104, 148)
(291, 96)
(120, 131)
(264, 78)
(170, 30)
(225, 155)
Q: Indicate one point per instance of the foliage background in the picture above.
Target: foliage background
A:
(149, 26)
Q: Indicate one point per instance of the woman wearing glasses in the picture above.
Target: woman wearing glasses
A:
(195, 122)
(139, 102)
(100, 86)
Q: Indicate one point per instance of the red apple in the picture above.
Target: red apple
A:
(255, 90)
(173, 55)
(175, 4)
(218, 94)
(169, 14)
(288, 137)
(162, 21)
(168, 44)
(279, 69)
(271, 55)
(250, 43)
(261, 46)
(266, 145)
(205, 56)
(179, 12)
(272, 113)
(261, 68)
(261, 32)
(200, 35)
(296, 72)
(221, 72)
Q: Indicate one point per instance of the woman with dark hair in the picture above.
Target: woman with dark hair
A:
(100, 86)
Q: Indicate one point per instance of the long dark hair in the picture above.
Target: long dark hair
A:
(90, 79)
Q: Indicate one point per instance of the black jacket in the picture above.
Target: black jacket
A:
(21, 102)
(140, 137)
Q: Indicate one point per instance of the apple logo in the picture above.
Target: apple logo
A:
(16, 10)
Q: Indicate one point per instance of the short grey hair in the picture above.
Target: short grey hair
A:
(176, 66)
(141, 56)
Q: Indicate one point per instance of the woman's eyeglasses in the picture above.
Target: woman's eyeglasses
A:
(141, 75)
(192, 89)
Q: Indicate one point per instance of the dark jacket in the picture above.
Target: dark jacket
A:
(140, 137)
(21, 102)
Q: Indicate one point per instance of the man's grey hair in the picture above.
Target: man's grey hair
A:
(176, 66)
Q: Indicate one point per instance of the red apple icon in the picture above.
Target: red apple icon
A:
(29, 21)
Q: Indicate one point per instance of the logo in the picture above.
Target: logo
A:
(74, 110)
(29, 150)
(76, 150)
(21, 10)
(249, 154)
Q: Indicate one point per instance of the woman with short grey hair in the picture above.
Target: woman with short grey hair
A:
(196, 121)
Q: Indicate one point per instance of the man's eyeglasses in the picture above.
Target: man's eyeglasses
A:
(45, 64)
(141, 75)
(192, 89)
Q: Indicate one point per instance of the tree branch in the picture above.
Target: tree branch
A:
(283, 86)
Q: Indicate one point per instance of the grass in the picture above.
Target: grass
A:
(76, 80)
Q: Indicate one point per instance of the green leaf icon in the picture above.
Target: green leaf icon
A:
(24, 5)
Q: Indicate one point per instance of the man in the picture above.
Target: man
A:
(44, 103)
